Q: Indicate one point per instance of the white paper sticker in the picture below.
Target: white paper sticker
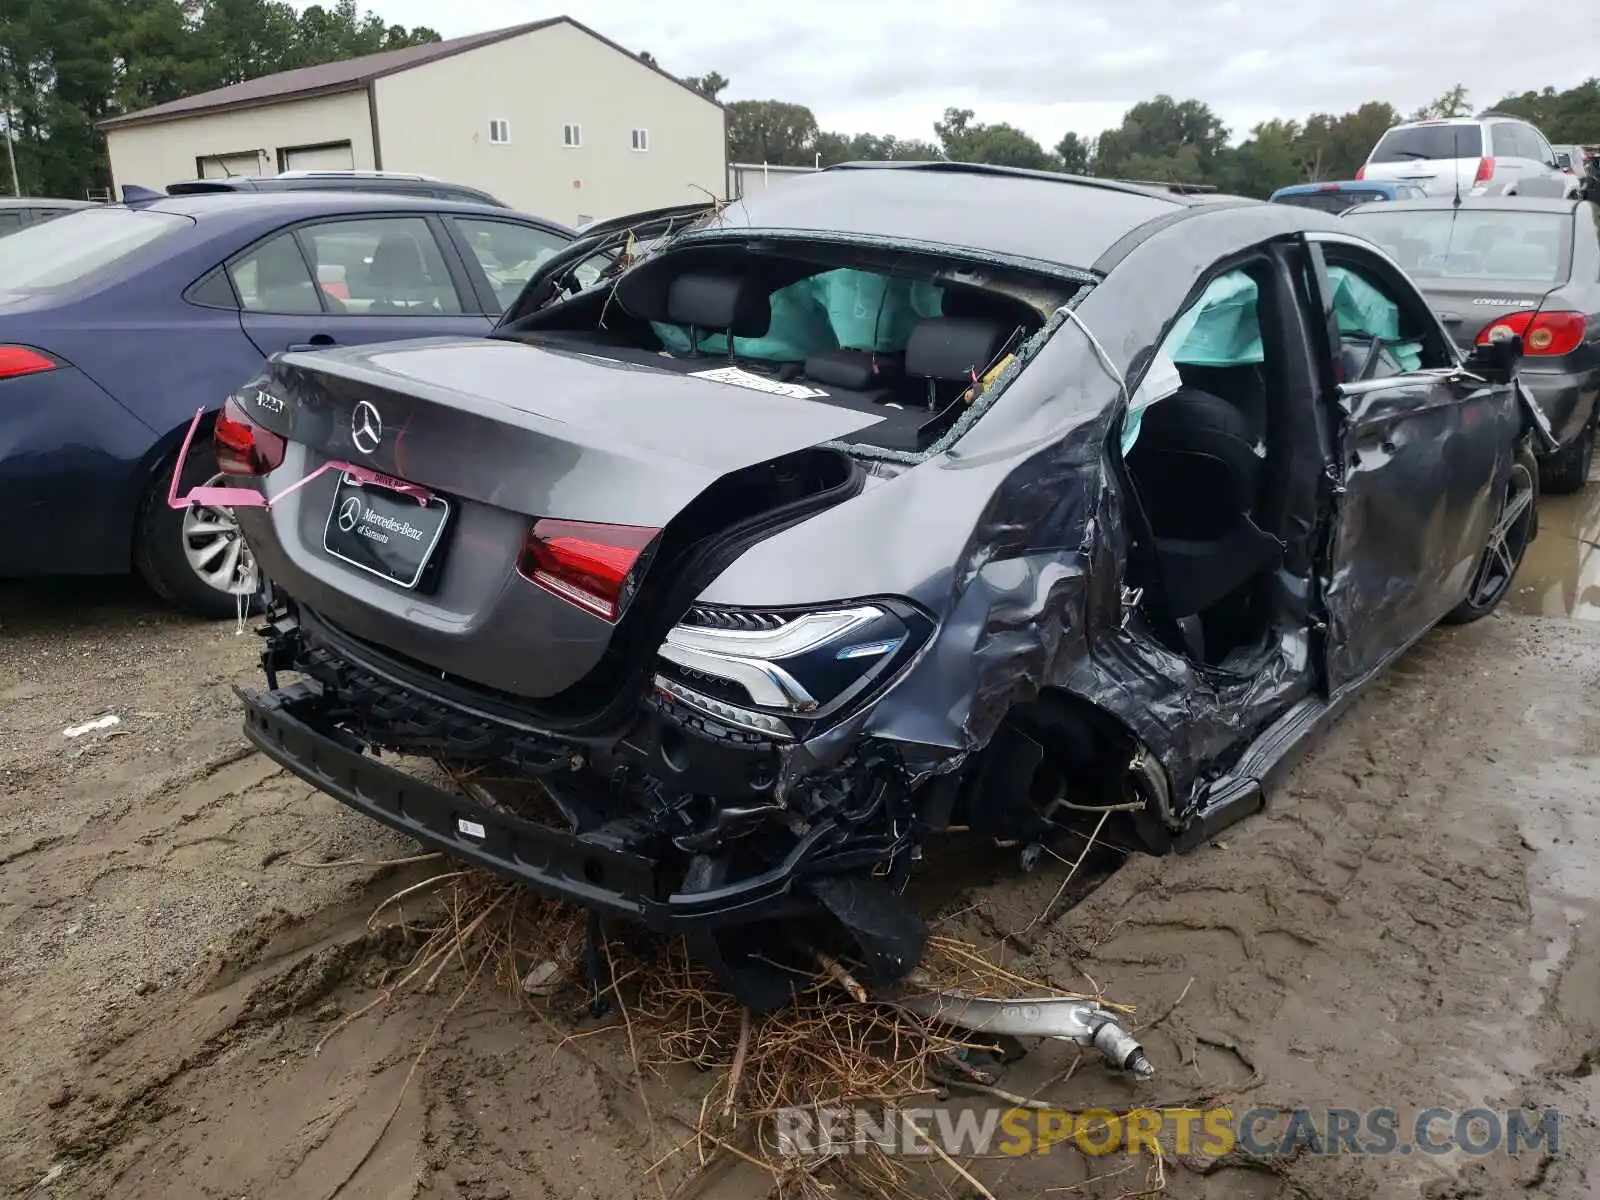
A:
(471, 828)
(105, 722)
(745, 379)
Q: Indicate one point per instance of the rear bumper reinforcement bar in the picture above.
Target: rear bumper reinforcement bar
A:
(578, 868)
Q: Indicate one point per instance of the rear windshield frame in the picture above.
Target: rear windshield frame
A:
(1434, 143)
(55, 250)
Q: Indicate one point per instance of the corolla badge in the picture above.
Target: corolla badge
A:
(349, 513)
(1506, 301)
(366, 427)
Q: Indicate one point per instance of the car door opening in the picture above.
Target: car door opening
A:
(1208, 460)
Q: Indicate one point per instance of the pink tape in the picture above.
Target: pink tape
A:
(207, 496)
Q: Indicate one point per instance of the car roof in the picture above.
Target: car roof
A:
(1480, 119)
(327, 181)
(293, 201)
(310, 179)
(42, 202)
(1478, 204)
(1064, 220)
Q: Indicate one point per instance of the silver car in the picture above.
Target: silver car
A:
(1520, 266)
(1475, 156)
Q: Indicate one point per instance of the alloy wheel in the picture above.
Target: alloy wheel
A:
(216, 549)
(1508, 540)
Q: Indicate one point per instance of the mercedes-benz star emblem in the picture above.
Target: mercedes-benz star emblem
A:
(366, 427)
(349, 513)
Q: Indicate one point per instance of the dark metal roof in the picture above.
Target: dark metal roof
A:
(311, 203)
(1040, 215)
(352, 74)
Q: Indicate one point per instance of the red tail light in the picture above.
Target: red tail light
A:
(242, 446)
(1549, 334)
(1485, 170)
(1361, 171)
(596, 567)
(20, 360)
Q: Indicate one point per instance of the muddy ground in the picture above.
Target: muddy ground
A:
(1412, 924)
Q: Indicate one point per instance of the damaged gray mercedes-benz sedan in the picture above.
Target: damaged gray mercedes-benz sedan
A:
(899, 499)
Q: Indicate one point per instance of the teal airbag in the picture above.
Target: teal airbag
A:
(840, 309)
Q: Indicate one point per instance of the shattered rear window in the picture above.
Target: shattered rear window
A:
(842, 309)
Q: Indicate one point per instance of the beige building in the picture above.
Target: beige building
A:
(549, 117)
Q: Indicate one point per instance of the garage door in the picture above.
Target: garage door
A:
(226, 166)
(319, 158)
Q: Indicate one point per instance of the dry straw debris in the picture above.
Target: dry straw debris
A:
(833, 1047)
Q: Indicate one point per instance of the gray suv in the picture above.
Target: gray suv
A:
(1482, 156)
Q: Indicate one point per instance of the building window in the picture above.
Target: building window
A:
(572, 135)
(499, 132)
(641, 139)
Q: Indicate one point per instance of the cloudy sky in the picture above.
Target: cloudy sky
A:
(893, 66)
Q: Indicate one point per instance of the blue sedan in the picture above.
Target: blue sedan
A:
(1337, 195)
(118, 322)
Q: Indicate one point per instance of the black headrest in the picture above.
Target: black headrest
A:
(954, 347)
(397, 261)
(1192, 416)
(735, 303)
(278, 264)
(858, 370)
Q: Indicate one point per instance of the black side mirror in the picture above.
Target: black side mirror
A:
(1496, 360)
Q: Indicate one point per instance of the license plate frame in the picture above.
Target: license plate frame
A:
(408, 575)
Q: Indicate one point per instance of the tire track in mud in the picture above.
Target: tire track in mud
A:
(1344, 945)
(247, 1060)
(130, 859)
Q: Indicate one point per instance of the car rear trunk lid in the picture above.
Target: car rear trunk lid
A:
(1468, 306)
(506, 434)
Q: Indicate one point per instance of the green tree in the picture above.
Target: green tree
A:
(961, 140)
(1335, 147)
(243, 39)
(709, 85)
(1075, 154)
(1272, 156)
(330, 34)
(872, 147)
(1452, 104)
(1164, 139)
(58, 79)
(1572, 116)
(772, 131)
(67, 64)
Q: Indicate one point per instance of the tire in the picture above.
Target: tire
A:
(165, 539)
(1516, 524)
(1567, 470)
